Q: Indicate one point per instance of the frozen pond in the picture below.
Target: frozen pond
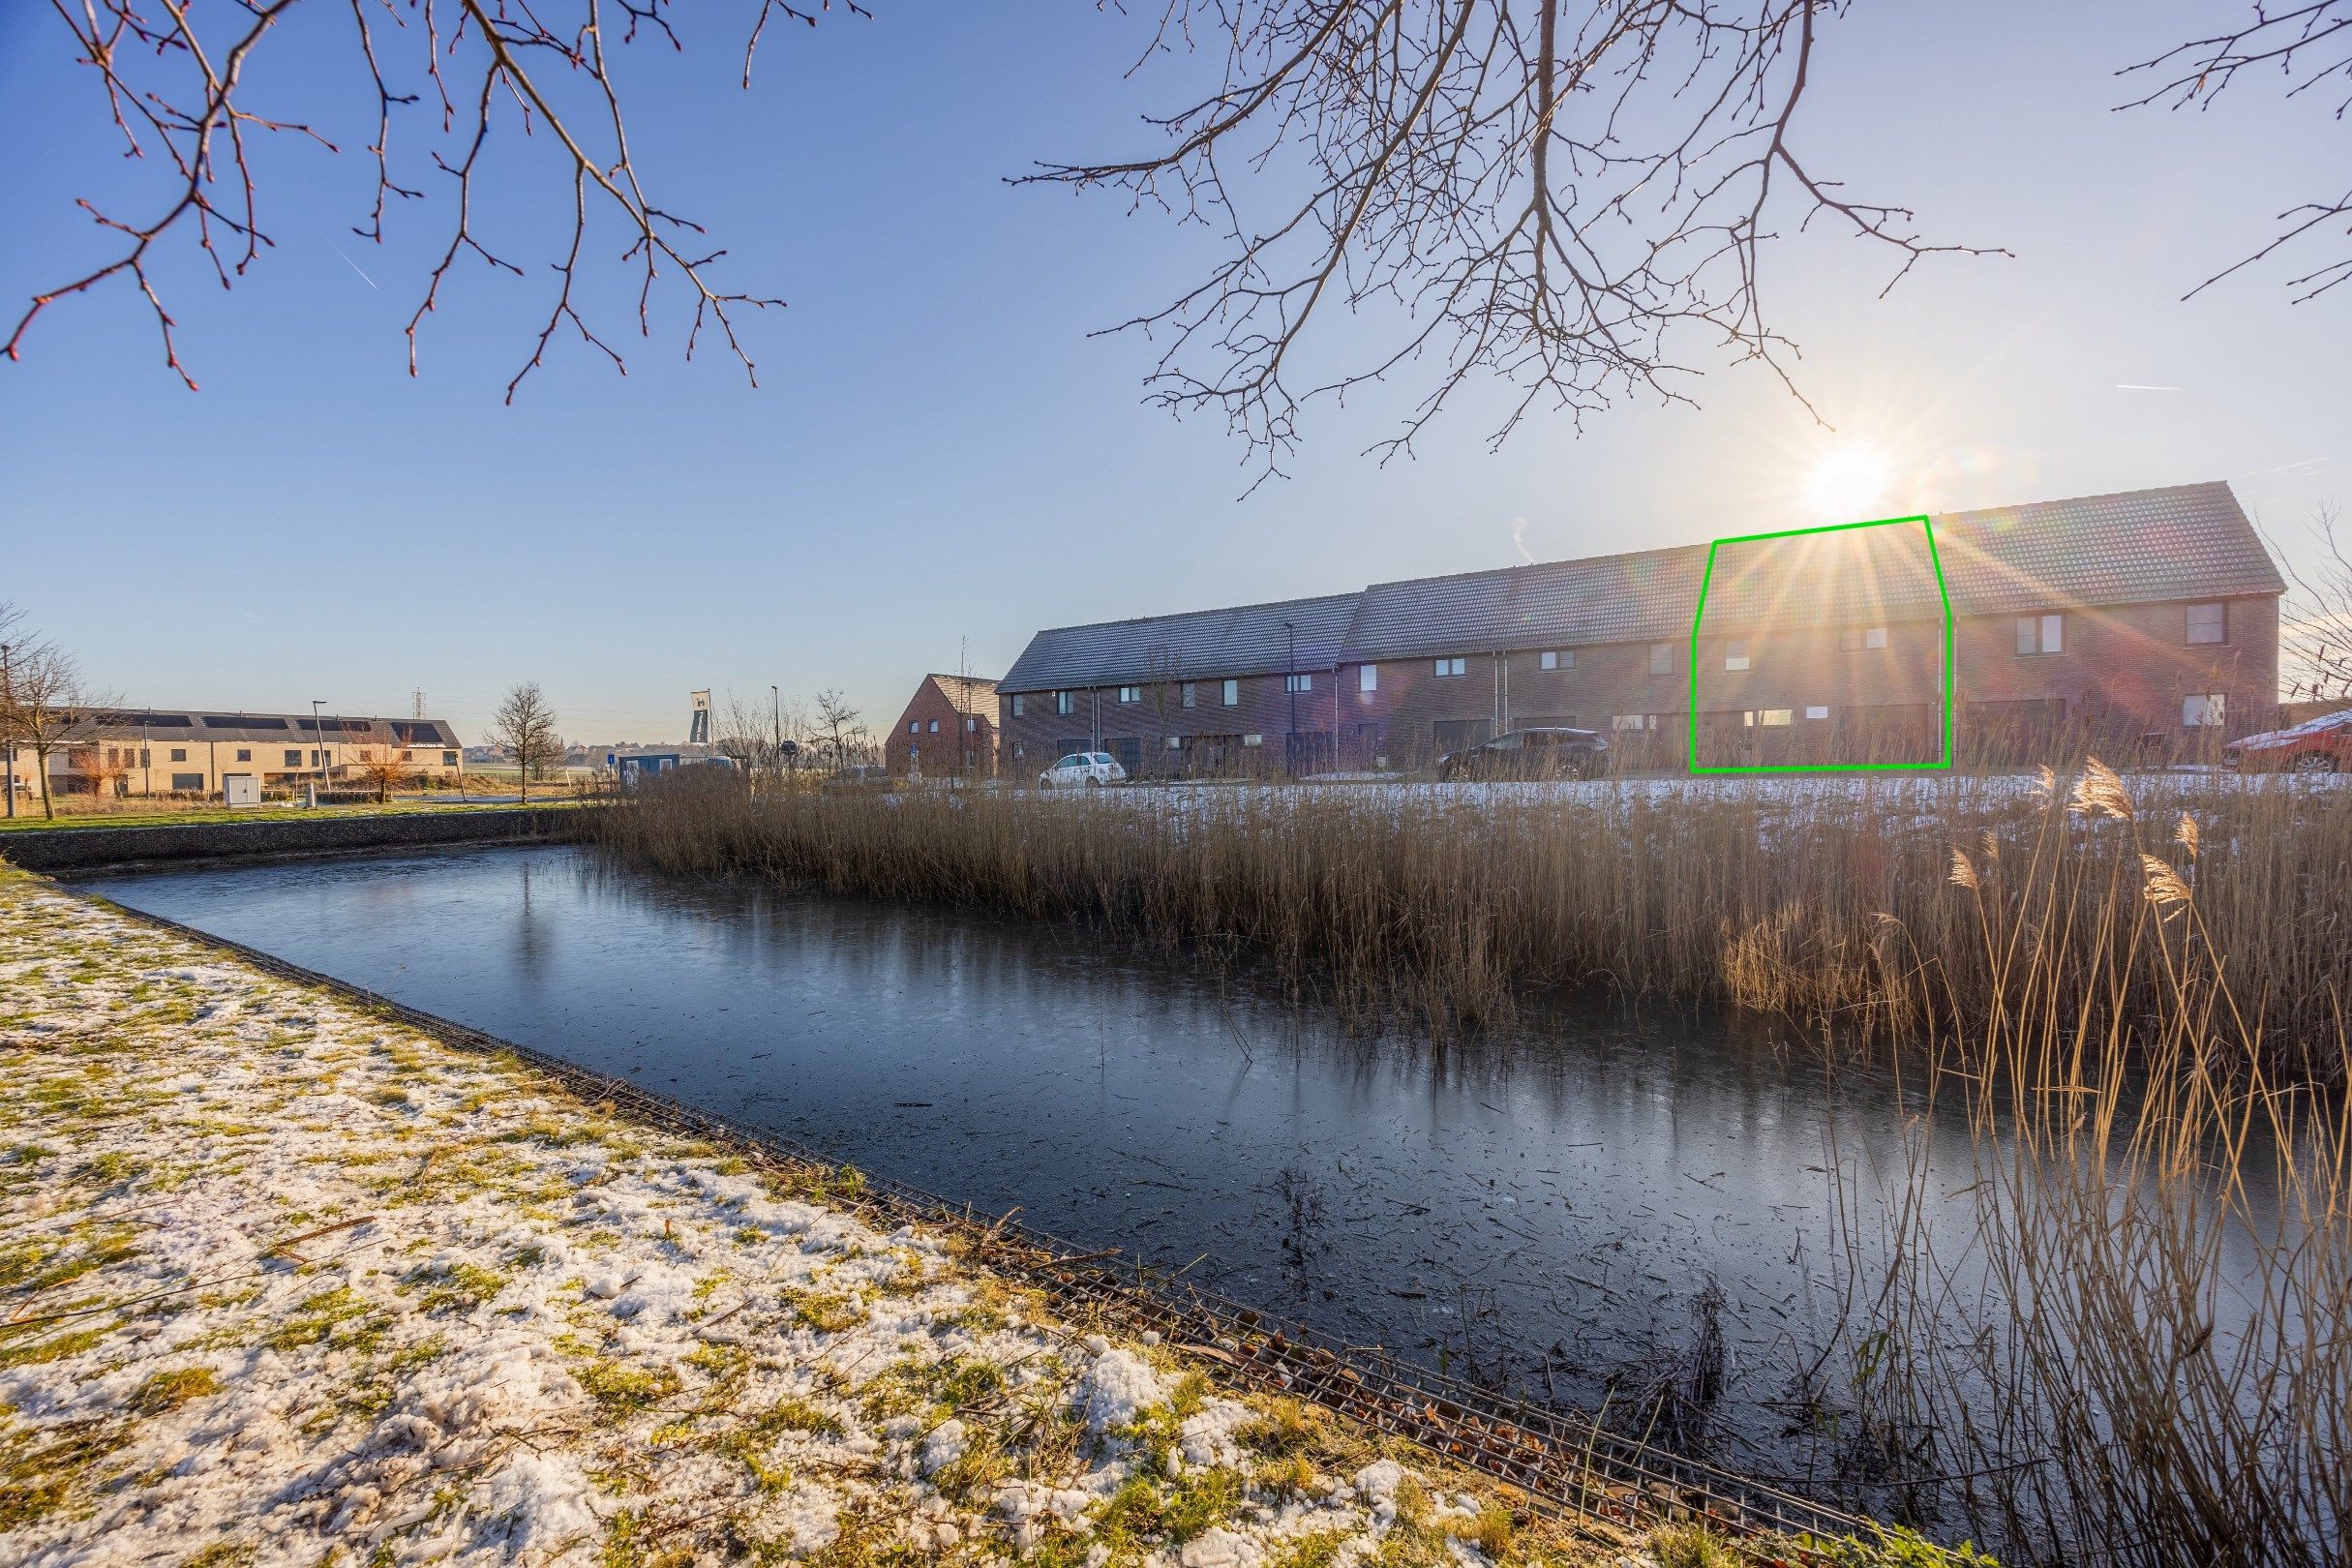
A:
(1557, 1212)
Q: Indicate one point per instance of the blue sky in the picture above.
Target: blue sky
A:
(940, 450)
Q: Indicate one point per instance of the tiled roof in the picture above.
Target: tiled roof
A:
(967, 694)
(180, 725)
(1203, 645)
(2147, 545)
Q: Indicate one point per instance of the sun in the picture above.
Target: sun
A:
(1849, 485)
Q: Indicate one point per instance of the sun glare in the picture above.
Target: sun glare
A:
(1848, 486)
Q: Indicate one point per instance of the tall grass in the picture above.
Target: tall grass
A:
(2143, 1352)
(1446, 905)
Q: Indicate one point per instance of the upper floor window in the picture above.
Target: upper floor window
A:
(1019, 706)
(245, 754)
(971, 726)
(1064, 701)
(2209, 623)
(2041, 634)
(1453, 666)
(1367, 678)
(1298, 682)
(1232, 694)
(1188, 693)
(2203, 711)
(1130, 694)
(914, 726)
(1735, 654)
(1857, 638)
(935, 726)
(179, 753)
(1661, 659)
(293, 758)
(1559, 658)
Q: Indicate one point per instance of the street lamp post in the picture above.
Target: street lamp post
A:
(775, 723)
(318, 741)
(1290, 683)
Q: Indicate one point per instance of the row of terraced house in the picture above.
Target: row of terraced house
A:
(2145, 622)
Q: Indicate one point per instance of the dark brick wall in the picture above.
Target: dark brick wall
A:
(951, 750)
(82, 849)
(2122, 678)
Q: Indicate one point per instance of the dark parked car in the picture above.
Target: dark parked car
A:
(1553, 753)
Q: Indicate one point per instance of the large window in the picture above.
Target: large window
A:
(293, 758)
(1861, 638)
(1298, 682)
(1735, 654)
(2208, 623)
(2203, 711)
(1367, 678)
(1634, 721)
(2041, 634)
(187, 783)
(1232, 694)
(1559, 658)
(1452, 667)
(1130, 694)
(1661, 659)
(1772, 718)
(1064, 701)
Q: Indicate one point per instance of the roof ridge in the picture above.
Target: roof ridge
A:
(1212, 610)
(1531, 565)
(2099, 496)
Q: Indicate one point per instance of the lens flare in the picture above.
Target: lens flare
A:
(1848, 486)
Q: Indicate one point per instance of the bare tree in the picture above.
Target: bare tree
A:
(2315, 630)
(526, 726)
(178, 81)
(2302, 49)
(842, 726)
(1557, 195)
(49, 709)
(385, 767)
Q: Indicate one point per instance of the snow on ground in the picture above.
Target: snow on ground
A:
(284, 1283)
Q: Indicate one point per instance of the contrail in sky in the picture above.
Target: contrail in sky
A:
(2137, 386)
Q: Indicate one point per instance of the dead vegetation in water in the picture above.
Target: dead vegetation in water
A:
(1823, 898)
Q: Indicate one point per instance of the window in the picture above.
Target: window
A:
(1634, 721)
(1367, 678)
(179, 753)
(1661, 659)
(1775, 718)
(935, 726)
(245, 754)
(914, 727)
(971, 726)
(1064, 701)
(2041, 634)
(1562, 658)
(1735, 654)
(2208, 623)
(293, 758)
(1817, 711)
(2203, 711)
(1232, 694)
(1453, 667)
(1857, 639)
(1254, 739)
(1298, 682)
(1020, 749)
(449, 759)
(1189, 694)
(1019, 706)
(187, 782)
(1130, 694)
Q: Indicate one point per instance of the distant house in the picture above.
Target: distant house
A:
(179, 751)
(949, 728)
(2146, 620)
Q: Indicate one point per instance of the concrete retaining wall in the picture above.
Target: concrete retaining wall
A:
(82, 849)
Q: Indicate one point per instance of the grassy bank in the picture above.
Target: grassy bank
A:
(286, 1283)
(1825, 898)
(148, 815)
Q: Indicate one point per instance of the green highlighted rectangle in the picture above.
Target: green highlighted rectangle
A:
(1948, 645)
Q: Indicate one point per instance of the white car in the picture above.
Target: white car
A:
(1082, 767)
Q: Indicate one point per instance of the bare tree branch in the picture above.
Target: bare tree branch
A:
(174, 82)
(1557, 195)
(2304, 47)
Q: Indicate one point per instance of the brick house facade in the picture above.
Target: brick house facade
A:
(2146, 624)
(949, 728)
